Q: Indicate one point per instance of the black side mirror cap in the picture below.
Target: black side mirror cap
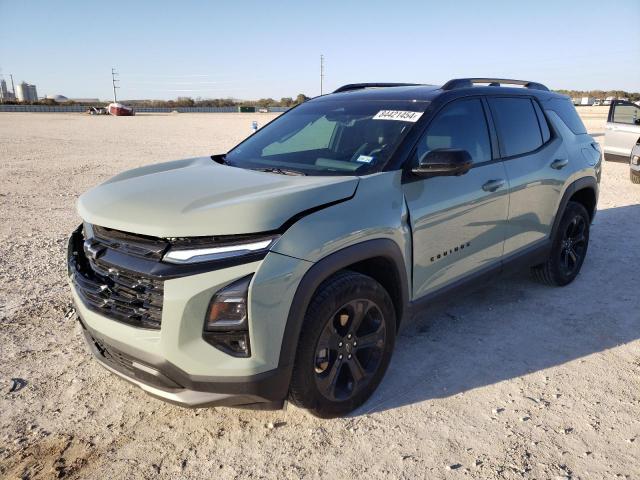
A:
(444, 162)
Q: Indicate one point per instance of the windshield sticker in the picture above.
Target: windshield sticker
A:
(364, 159)
(402, 115)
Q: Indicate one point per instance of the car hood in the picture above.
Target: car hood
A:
(199, 197)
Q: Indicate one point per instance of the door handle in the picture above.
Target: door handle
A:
(493, 185)
(560, 163)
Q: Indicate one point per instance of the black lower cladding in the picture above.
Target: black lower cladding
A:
(269, 387)
(111, 290)
(128, 365)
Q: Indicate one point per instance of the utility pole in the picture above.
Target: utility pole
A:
(114, 74)
(321, 72)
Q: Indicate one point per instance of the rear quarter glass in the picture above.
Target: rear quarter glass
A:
(567, 113)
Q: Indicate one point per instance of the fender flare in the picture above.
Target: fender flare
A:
(322, 270)
(580, 184)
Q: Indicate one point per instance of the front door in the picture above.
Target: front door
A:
(458, 222)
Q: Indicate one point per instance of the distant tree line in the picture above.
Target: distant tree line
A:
(184, 102)
(220, 102)
(602, 94)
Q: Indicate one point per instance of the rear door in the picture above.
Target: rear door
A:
(622, 130)
(534, 160)
(458, 222)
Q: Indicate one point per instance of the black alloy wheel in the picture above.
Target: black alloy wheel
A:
(345, 345)
(349, 350)
(568, 247)
(574, 245)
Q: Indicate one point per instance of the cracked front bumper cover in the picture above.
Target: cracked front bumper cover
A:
(166, 382)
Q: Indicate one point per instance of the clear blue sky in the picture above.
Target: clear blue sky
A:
(253, 49)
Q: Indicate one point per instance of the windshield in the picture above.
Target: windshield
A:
(329, 138)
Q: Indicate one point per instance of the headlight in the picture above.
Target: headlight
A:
(226, 326)
(212, 252)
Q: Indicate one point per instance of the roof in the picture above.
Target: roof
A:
(409, 92)
(426, 93)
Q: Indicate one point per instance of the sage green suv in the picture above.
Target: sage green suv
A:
(284, 268)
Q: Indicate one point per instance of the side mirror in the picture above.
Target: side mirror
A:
(443, 162)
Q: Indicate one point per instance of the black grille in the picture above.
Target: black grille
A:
(113, 291)
(130, 244)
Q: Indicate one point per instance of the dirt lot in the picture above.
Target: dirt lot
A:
(515, 380)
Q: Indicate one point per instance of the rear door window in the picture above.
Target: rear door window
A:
(517, 125)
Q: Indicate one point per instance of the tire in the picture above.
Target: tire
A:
(635, 178)
(568, 248)
(338, 345)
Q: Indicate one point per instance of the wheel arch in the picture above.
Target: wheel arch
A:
(584, 191)
(368, 258)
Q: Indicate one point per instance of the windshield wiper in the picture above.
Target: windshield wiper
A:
(281, 171)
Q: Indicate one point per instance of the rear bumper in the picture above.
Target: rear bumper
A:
(165, 381)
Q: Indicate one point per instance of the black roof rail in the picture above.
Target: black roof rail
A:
(359, 86)
(493, 82)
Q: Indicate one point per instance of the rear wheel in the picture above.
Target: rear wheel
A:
(568, 248)
(345, 345)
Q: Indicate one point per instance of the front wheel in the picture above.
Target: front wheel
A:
(568, 248)
(345, 345)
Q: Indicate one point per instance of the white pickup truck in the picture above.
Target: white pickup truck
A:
(622, 135)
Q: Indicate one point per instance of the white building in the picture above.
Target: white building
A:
(26, 92)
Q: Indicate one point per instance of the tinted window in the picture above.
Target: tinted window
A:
(461, 124)
(626, 113)
(517, 124)
(567, 113)
(542, 121)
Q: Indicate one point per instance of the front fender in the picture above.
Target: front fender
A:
(372, 224)
(377, 210)
(322, 270)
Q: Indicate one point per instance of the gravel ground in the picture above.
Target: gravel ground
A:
(515, 380)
